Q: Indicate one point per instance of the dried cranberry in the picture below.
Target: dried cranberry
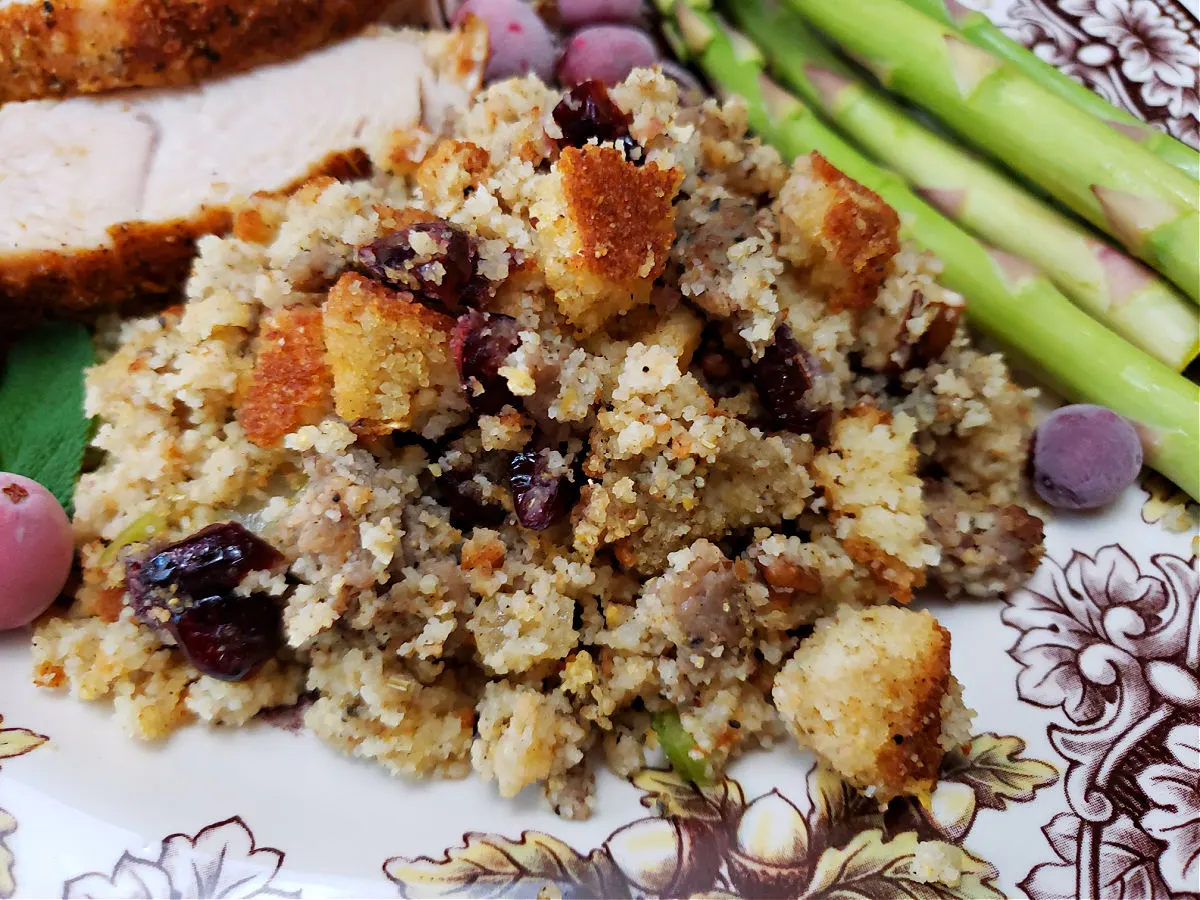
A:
(442, 267)
(463, 496)
(541, 497)
(211, 561)
(187, 588)
(586, 112)
(227, 636)
(784, 376)
(480, 343)
(722, 372)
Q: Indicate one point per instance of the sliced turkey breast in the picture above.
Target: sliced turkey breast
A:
(102, 196)
(61, 47)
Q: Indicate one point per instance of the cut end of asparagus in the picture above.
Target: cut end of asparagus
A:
(1131, 218)
(827, 83)
(969, 65)
(694, 28)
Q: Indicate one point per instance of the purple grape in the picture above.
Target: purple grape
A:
(606, 53)
(540, 498)
(585, 112)
(784, 376)
(480, 343)
(520, 42)
(577, 13)
(1084, 456)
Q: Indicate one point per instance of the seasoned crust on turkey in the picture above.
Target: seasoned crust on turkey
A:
(103, 196)
(65, 47)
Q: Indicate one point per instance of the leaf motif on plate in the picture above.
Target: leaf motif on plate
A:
(222, 860)
(8, 884)
(674, 797)
(488, 865)
(838, 810)
(870, 868)
(991, 765)
(16, 741)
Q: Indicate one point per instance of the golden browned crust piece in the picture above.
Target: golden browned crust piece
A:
(869, 692)
(843, 233)
(291, 385)
(391, 360)
(57, 48)
(607, 232)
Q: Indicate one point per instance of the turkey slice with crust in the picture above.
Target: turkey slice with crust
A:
(102, 197)
(54, 48)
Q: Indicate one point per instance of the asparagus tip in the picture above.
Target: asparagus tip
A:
(744, 49)
(957, 12)
(969, 65)
(1124, 277)
(1012, 269)
(1132, 131)
(828, 83)
(780, 105)
(1131, 218)
(946, 200)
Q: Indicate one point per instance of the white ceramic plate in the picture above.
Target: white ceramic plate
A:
(1083, 779)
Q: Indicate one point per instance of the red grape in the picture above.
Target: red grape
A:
(520, 41)
(606, 53)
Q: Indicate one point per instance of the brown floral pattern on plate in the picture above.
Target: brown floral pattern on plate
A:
(1116, 648)
(710, 841)
(1140, 55)
(220, 860)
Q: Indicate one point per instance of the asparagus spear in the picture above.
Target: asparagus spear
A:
(1150, 207)
(678, 745)
(976, 27)
(1118, 291)
(1040, 329)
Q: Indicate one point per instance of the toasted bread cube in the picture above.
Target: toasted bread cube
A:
(844, 234)
(391, 360)
(291, 384)
(868, 692)
(869, 474)
(605, 229)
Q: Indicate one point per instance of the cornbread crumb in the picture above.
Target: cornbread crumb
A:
(608, 522)
(843, 232)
